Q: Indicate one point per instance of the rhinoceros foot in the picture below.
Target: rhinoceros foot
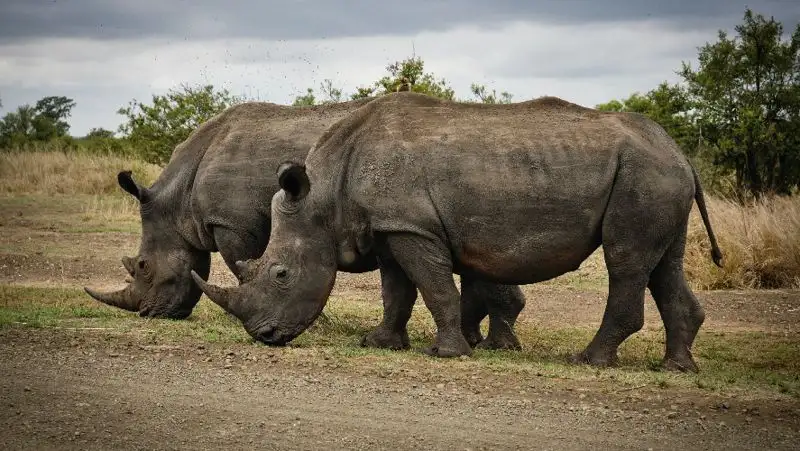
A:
(684, 364)
(500, 341)
(383, 338)
(455, 347)
(602, 360)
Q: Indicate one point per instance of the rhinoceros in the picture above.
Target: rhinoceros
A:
(511, 194)
(212, 196)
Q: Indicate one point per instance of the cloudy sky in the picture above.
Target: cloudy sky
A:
(103, 53)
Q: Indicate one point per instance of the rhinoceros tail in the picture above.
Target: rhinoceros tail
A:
(716, 254)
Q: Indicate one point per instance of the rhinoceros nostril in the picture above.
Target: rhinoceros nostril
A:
(265, 335)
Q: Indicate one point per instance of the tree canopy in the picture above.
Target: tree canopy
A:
(156, 128)
(44, 121)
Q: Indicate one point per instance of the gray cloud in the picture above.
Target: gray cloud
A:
(308, 19)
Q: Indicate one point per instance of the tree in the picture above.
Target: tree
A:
(100, 132)
(51, 117)
(332, 95)
(410, 75)
(746, 94)
(479, 91)
(406, 75)
(157, 128)
(16, 127)
(42, 122)
(305, 100)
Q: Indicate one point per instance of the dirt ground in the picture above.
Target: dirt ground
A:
(80, 388)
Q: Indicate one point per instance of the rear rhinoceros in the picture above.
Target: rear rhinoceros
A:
(512, 194)
(213, 197)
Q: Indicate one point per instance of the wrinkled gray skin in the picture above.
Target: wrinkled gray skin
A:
(513, 194)
(213, 197)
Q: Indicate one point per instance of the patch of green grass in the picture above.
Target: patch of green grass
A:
(728, 361)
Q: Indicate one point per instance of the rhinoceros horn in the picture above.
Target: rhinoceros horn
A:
(219, 295)
(121, 298)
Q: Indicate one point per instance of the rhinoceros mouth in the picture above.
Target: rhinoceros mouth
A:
(272, 336)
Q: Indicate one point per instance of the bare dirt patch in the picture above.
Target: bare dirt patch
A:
(77, 390)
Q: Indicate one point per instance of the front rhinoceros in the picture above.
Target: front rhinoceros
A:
(213, 196)
(513, 194)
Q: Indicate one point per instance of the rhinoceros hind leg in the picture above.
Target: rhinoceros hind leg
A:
(473, 310)
(680, 311)
(639, 225)
(503, 303)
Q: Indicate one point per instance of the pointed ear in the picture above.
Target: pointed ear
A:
(293, 179)
(128, 184)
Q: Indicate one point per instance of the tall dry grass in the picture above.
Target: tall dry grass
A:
(760, 244)
(59, 172)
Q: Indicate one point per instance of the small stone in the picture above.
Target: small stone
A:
(77, 433)
(26, 389)
(726, 405)
(672, 415)
(439, 386)
(228, 366)
(645, 411)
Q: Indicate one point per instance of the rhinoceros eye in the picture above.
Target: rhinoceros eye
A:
(277, 271)
(144, 267)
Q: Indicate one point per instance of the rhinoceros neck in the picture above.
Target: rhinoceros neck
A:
(174, 190)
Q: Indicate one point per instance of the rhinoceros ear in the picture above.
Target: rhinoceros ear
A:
(128, 184)
(293, 179)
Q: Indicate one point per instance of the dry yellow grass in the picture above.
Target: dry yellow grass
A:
(760, 244)
(57, 172)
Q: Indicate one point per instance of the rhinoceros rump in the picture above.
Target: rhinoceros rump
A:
(213, 196)
(513, 194)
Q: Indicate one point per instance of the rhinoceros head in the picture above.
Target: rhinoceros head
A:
(287, 288)
(160, 282)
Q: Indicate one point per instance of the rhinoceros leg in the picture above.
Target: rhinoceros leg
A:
(681, 312)
(473, 310)
(503, 303)
(399, 295)
(428, 265)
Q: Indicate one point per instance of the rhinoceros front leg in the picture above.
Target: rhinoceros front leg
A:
(428, 265)
(399, 295)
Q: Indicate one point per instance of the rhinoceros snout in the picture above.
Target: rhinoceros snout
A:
(269, 335)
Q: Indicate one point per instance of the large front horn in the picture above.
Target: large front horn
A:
(220, 296)
(121, 299)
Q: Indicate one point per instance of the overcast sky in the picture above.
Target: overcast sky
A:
(103, 53)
